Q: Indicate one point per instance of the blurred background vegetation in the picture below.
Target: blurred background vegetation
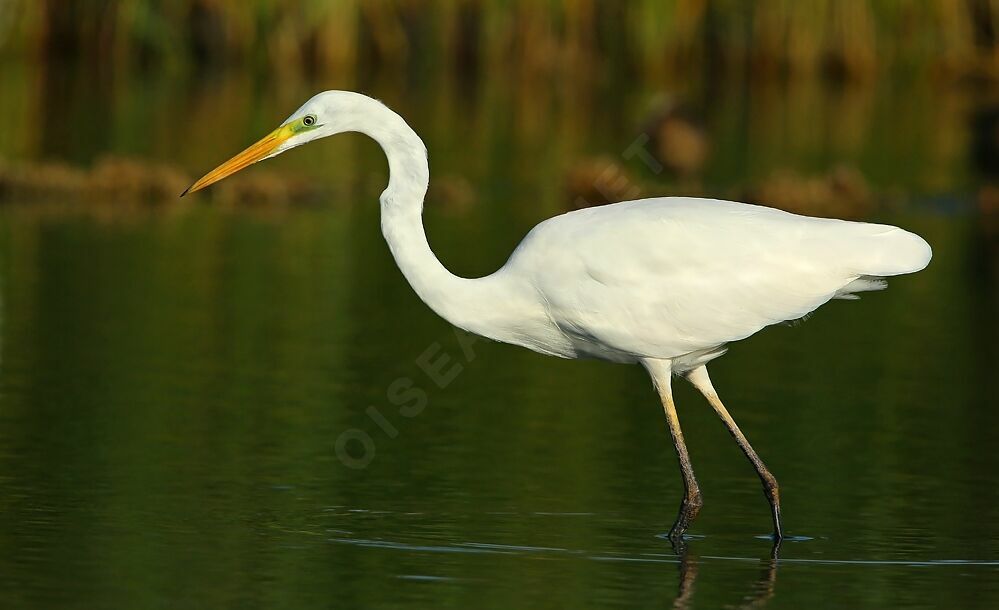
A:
(822, 106)
(856, 39)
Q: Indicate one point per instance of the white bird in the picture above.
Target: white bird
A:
(664, 282)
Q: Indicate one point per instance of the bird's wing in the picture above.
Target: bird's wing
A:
(670, 276)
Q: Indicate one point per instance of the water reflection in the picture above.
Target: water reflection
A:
(761, 591)
(172, 386)
(733, 136)
(690, 576)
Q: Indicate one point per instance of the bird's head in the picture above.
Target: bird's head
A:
(326, 114)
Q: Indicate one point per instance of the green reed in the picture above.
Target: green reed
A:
(851, 38)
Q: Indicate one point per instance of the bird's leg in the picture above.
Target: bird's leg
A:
(692, 502)
(699, 377)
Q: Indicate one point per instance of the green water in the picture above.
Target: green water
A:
(200, 407)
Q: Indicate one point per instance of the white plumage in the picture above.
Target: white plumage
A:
(673, 277)
(663, 282)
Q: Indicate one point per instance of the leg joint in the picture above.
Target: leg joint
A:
(770, 484)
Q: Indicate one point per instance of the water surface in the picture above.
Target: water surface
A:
(201, 406)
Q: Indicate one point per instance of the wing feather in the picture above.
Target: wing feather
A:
(670, 276)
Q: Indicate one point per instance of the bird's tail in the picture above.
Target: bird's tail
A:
(890, 251)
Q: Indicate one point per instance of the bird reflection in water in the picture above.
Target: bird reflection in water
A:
(759, 595)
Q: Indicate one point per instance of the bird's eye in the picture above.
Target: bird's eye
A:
(309, 120)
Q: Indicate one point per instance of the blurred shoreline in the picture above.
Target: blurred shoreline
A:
(834, 108)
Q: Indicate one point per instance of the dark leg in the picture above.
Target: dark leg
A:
(692, 502)
(699, 377)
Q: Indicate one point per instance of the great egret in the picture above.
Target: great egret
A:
(664, 282)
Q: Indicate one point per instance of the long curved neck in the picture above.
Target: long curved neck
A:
(453, 298)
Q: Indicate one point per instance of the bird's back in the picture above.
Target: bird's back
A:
(667, 277)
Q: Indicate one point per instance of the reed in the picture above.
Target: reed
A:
(854, 39)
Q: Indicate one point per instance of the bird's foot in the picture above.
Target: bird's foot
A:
(778, 534)
(775, 549)
(689, 507)
(772, 493)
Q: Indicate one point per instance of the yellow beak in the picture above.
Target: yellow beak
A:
(265, 147)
